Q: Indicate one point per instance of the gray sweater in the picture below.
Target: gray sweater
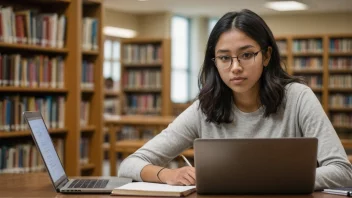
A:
(302, 116)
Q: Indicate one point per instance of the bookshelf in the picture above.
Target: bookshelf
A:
(145, 76)
(92, 53)
(325, 61)
(58, 55)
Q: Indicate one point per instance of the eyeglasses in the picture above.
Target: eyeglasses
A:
(244, 59)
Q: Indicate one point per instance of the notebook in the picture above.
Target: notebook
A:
(153, 189)
(55, 169)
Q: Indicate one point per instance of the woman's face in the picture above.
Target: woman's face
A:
(241, 76)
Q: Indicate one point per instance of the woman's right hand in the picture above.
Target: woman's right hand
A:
(180, 176)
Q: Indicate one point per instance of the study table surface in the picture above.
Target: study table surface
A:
(39, 185)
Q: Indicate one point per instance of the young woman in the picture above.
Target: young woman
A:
(244, 93)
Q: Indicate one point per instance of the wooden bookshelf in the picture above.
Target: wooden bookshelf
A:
(307, 71)
(72, 55)
(340, 53)
(33, 48)
(341, 109)
(91, 52)
(142, 65)
(340, 71)
(52, 1)
(111, 93)
(126, 147)
(85, 167)
(92, 2)
(15, 134)
(88, 129)
(87, 90)
(142, 90)
(348, 90)
(307, 54)
(159, 62)
(94, 9)
(33, 90)
(333, 58)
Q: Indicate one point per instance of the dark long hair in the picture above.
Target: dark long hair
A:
(216, 99)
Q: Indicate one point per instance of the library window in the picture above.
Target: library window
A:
(211, 24)
(112, 63)
(180, 69)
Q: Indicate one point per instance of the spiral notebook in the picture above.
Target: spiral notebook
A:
(153, 189)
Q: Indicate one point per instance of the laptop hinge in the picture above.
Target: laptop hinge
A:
(62, 184)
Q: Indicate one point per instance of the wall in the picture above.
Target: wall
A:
(146, 25)
(154, 25)
(310, 23)
(121, 19)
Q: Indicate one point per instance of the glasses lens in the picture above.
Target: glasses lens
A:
(246, 58)
(223, 62)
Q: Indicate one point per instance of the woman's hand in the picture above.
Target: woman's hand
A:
(181, 176)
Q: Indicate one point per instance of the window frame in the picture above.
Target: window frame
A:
(112, 60)
(188, 68)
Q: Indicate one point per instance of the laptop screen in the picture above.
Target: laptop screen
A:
(46, 148)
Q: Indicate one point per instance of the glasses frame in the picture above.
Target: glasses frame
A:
(232, 57)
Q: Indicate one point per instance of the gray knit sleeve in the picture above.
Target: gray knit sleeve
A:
(334, 168)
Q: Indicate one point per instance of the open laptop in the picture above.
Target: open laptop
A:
(55, 169)
(255, 166)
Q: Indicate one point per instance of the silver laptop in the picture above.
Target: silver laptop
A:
(255, 166)
(55, 169)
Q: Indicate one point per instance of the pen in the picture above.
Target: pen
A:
(338, 192)
(187, 162)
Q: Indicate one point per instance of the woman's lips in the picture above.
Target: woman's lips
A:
(237, 80)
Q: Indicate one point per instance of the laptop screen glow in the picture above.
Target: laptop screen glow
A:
(47, 149)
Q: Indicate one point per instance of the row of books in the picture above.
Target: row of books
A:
(143, 104)
(142, 54)
(23, 158)
(90, 33)
(340, 100)
(340, 63)
(132, 133)
(282, 45)
(308, 45)
(341, 45)
(340, 81)
(31, 27)
(84, 150)
(342, 119)
(314, 81)
(87, 75)
(35, 71)
(84, 114)
(51, 107)
(308, 63)
(142, 79)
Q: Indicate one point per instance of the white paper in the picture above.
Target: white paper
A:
(146, 186)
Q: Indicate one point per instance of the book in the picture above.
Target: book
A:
(339, 191)
(153, 189)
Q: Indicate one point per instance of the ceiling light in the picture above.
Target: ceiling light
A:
(286, 5)
(119, 32)
(142, 0)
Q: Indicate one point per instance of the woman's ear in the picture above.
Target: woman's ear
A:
(267, 56)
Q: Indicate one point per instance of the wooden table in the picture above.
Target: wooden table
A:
(39, 185)
(115, 123)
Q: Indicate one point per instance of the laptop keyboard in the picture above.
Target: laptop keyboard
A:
(89, 183)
